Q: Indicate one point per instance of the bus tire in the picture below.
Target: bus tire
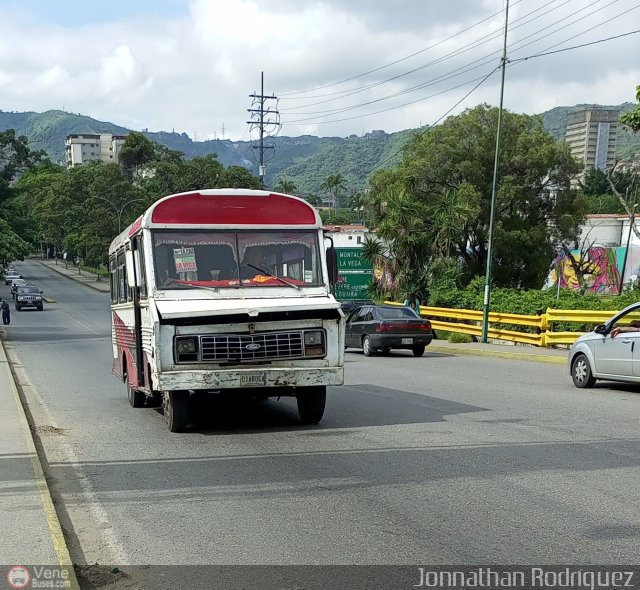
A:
(136, 398)
(175, 407)
(311, 403)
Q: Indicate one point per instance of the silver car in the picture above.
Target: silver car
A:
(598, 355)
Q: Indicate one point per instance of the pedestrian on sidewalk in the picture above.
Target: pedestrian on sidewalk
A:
(6, 312)
(413, 302)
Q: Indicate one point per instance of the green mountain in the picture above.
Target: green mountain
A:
(307, 160)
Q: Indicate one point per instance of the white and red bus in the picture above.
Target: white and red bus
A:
(225, 291)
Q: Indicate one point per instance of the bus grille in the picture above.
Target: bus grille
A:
(277, 345)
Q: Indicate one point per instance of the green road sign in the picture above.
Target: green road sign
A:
(351, 259)
(353, 286)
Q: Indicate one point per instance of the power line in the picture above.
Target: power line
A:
(465, 48)
(445, 76)
(393, 155)
(287, 94)
(514, 61)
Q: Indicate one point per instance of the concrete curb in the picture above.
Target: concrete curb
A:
(55, 529)
(520, 356)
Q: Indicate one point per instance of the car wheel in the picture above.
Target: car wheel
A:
(311, 402)
(40, 307)
(175, 405)
(18, 307)
(136, 398)
(581, 372)
(367, 349)
(418, 350)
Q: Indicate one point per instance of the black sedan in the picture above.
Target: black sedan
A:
(383, 327)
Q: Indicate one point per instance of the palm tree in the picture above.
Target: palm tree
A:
(285, 185)
(333, 185)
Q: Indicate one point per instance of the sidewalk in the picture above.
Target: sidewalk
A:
(507, 351)
(73, 272)
(31, 531)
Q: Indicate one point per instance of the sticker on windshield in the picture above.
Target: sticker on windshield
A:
(185, 259)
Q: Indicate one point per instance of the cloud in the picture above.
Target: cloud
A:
(327, 61)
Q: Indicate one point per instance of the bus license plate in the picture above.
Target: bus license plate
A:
(407, 341)
(253, 380)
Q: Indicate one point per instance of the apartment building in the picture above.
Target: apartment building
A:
(592, 134)
(81, 148)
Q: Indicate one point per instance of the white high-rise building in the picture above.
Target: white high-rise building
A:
(81, 148)
(592, 134)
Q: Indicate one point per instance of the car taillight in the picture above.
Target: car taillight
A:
(381, 327)
(425, 326)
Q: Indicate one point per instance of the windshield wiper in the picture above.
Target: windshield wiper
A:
(270, 274)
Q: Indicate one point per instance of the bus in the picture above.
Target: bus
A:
(225, 291)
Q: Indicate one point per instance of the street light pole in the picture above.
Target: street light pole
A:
(119, 211)
(487, 280)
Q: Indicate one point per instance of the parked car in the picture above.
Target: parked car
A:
(598, 355)
(15, 283)
(348, 306)
(383, 327)
(28, 296)
(10, 276)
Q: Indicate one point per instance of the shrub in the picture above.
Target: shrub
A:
(457, 338)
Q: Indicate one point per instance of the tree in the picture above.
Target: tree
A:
(136, 153)
(333, 185)
(286, 186)
(626, 189)
(15, 159)
(446, 174)
(239, 177)
(632, 119)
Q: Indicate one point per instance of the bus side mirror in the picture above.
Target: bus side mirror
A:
(332, 265)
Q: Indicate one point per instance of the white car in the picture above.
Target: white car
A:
(10, 276)
(597, 355)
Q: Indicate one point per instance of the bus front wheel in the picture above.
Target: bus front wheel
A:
(311, 402)
(136, 398)
(175, 406)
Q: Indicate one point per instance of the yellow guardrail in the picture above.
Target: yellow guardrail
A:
(469, 321)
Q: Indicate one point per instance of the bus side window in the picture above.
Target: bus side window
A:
(113, 275)
(122, 278)
(142, 271)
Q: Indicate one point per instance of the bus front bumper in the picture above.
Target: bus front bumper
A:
(242, 378)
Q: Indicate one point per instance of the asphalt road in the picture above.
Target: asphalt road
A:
(440, 459)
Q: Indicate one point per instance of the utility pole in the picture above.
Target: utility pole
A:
(487, 280)
(632, 219)
(265, 121)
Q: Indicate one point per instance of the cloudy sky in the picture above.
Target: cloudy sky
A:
(337, 67)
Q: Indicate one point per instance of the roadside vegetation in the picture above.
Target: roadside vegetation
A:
(429, 209)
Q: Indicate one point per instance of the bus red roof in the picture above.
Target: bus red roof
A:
(218, 207)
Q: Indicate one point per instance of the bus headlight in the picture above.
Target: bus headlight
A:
(314, 343)
(187, 349)
(186, 345)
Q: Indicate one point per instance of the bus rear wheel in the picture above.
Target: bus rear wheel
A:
(175, 407)
(311, 402)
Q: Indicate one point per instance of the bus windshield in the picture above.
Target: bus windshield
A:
(211, 258)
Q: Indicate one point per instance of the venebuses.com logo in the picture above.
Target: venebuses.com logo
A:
(18, 576)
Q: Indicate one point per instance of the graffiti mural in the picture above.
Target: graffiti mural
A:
(603, 267)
